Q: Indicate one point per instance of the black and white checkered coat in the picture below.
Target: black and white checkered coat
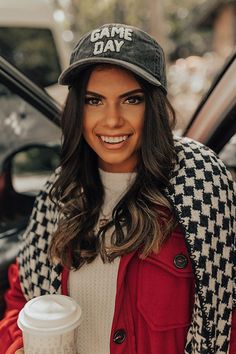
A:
(203, 196)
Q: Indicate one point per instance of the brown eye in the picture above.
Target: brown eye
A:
(134, 99)
(93, 101)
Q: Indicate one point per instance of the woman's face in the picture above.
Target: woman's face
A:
(114, 117)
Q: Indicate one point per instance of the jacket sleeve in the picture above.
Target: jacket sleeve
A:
(20, 273)
(10, 334)
(232, 349)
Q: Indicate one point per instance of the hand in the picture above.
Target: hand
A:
(20, 351)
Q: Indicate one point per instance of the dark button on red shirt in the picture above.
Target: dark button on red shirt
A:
(119, 336)
(180, 261)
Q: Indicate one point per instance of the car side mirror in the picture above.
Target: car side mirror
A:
(32, 166)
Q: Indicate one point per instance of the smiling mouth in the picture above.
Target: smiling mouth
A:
(113, 139)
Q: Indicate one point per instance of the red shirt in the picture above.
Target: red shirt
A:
(153, 305)
(156, 298)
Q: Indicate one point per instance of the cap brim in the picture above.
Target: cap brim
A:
(69, 75)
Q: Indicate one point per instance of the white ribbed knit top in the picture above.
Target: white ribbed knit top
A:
(94, 285)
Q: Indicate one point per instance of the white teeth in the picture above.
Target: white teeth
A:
(114, 139)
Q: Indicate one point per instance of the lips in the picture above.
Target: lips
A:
(113, 142)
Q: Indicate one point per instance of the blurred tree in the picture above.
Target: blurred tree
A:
(90, 13)
(157, 21)
(163, 19)
(200, 26)
(179, 16)
(173, 23)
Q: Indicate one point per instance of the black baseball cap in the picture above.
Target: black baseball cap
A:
(119, 44)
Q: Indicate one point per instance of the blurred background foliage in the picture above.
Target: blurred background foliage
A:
(185, 25)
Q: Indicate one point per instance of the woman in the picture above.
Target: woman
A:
(135, 225)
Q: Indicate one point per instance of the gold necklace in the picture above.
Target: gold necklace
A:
(103, 220)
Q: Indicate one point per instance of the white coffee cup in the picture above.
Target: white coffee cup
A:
(49, 324)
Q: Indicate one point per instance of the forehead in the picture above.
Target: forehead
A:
(104, 74)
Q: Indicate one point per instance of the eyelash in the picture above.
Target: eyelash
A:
(90, 100)
(137, 98)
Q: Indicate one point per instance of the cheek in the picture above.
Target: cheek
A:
(91, 119)
(88, 132)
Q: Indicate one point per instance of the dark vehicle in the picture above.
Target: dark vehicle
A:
(29, 152)
(30, 137)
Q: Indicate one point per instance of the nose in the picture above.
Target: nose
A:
(113, 116)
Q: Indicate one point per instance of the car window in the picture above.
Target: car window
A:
(21, 124)
(33, 52)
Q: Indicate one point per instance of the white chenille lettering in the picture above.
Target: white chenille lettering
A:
(128, 34)
(109, 46)
(104, 33)
(118, 45)
(116, 30)
(98, 48)
(112, 45)
(122, 32)
(95, 35)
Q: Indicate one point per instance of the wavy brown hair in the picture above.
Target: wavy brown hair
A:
(143, 218)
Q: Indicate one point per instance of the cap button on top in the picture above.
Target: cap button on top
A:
(119, 336)
(180, 261)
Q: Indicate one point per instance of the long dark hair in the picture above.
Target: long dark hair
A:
(143, 218)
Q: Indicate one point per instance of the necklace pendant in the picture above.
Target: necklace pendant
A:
(102, 222)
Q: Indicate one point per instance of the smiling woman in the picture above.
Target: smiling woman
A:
(136, 225)
(124, 128)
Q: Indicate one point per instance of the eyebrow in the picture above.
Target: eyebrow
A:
(125, 94)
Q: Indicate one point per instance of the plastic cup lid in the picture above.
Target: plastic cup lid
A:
(49, 314)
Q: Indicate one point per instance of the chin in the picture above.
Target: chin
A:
(117, 166)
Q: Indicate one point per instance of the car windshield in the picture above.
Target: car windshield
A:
(33, 52)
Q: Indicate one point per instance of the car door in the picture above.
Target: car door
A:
(214, 121)
(29, 152)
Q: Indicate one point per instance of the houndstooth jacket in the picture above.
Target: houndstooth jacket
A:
(202, 193)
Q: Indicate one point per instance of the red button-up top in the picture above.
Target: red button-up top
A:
(155, 301)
